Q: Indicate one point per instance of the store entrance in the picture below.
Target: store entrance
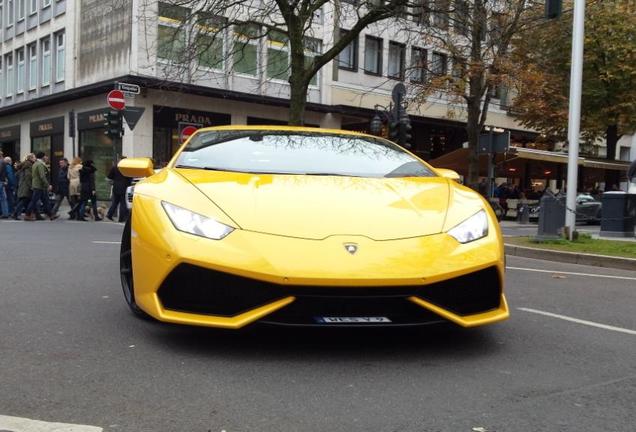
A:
(47, 136)
(10, 149)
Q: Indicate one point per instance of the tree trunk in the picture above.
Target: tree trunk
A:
(297, 103)
(472, 131)
(612, 177)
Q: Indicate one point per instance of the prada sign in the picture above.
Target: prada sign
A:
(10, 134)
(47, 127)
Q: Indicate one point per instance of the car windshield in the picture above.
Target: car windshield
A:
(275, 152)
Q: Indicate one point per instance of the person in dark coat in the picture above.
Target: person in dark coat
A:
(120, 184)
(41, 187)
(62, 185)
(12, 183)
(25, 190)
(87, 192)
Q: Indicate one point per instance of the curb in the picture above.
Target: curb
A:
(572, 257)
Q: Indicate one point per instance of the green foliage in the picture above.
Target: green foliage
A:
(609, 73)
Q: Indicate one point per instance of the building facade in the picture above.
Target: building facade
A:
(59, 59)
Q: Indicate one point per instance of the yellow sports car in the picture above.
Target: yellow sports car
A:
(307, 227)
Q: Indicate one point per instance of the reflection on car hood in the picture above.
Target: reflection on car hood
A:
(316, 207)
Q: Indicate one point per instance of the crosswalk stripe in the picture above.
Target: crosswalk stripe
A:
(19, 424)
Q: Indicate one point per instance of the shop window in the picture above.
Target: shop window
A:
(209, 38)
(59, 57)
(8, 60)
(373, 55)
(396, 60)
(20, 71)
(245, 52)
(348, 57)
(313, 47)
(277, 56)
(33, 66)
(418, 65)
(171, 32)
(45, 45)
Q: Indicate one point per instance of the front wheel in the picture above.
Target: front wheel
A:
(126, 272)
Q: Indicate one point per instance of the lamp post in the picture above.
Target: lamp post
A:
(574, 114)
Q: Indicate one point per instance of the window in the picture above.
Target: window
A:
(246, 49)
(277, 56)
(33, 67)
(313, 47)
(209, 40)
(418, 65)
(10, 13)
(33, 7)
(46, 61)
(421, 12)
(624, 154)
(440, 13)
(8, 60)
(348, 58)
(21, 9)
(3, 83)
(373, 55)
(59, 57)
(439, 64)
(46, 3)
(171, 32)
(462, 15)
(396, 60)
(459, 68)
(20, 72)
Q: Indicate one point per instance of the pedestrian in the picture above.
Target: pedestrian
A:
(12, 183)
(120, 184)
(25, 190)
(41, 187)
(87, 192)
(62, 185)
(4, 203)
(74, 183)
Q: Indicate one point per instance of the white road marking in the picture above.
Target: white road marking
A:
(579, 321)
(572, 273)
(18, 424)
(105, 242)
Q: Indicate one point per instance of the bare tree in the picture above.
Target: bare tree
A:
(471, 63)
(196, 28)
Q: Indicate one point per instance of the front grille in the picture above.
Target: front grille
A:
(194, 289)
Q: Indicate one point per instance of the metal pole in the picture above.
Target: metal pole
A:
(491, 168)
(574, 116)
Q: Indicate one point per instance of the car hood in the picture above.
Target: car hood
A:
(316, 207)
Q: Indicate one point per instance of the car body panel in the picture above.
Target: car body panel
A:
(398, 226)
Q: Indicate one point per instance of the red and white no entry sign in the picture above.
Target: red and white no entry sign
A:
(116, 100)
(186, 132)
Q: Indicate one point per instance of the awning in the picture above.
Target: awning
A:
(539, 155)
(607, 165)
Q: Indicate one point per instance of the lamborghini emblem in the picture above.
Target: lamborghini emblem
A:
(352, 248)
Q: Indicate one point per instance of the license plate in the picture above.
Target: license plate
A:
(352, 320)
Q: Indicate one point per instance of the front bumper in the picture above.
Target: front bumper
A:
(252, 277)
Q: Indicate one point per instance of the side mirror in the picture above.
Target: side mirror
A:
(447, 173)
(136, 167)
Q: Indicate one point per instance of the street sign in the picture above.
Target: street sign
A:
(116, 100)
(186, 132)
(132, 115)
(500, 142)
(132, 89)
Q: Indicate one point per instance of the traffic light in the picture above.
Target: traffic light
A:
(114, 125)
(405, 129)
(553, 8)
(394, 130)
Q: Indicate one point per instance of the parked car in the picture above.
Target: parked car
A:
(588, 209)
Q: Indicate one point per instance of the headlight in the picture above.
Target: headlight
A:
(473, 228)
(193, 223)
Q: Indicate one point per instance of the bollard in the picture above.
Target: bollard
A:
(523, 213)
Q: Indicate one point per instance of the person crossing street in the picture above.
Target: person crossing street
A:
(41, 188)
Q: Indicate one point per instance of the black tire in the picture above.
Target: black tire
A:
(126, 273)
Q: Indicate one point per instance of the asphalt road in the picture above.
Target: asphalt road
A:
(71, 352)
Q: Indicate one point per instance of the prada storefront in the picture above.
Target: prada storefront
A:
(10, 142)
(48, 136)
(168, 124)
(96, 146)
